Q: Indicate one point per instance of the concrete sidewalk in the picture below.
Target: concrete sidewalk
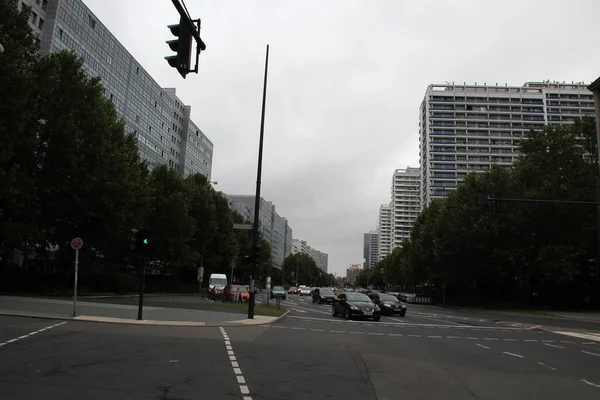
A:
(123, 314)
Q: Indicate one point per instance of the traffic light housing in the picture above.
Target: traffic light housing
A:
(143, 240)
(182, 46)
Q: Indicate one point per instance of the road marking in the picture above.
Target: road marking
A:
(590, 353)
(590, 383)
(299, 329)
(452, 337)
(553, 345)
(588, 336)
(547, 366)
(485, 347)
(588, 342)
(395, 334)
(396, 319)
(414, 335)
(317, 330)
(513, 354)
(510, 340)
(490, 338)
(298, 310)
(337, 331)
(434, 337)
(357, 333)
(530, 340)
(375, 334)
(31, 333)
(235, 365)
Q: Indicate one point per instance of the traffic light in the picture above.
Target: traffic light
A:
(182, 45)
(133, 239)
(143, 241)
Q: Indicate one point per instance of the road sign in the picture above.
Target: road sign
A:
(242, 226)
(76, 243)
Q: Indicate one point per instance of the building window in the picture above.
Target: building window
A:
(44, 4)
(41, 24)
(34, 18)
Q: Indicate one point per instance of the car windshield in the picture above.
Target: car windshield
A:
(325, 292)
(305, 289)
(278, 288)
(293, 288)
(388, 297)
(357, 297)
(218, 281)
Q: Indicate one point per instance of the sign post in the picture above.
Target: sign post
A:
(200, 278)
(76, 244)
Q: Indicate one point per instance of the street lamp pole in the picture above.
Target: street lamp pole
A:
(255, 237)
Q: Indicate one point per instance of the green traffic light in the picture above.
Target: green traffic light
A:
(145, 241)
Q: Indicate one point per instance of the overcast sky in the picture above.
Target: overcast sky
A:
(345, 82)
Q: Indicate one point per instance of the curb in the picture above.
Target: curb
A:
(110, 320)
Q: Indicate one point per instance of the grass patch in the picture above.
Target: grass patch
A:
(259, 309)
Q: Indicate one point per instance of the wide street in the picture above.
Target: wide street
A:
(432, 353)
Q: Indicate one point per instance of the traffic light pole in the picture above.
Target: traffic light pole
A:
(255, 237)
(142, 288)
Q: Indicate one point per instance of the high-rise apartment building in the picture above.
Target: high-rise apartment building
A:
(466, 128)
(274, 228)
(405, 203)
(371, 249)
(385, 231)
(156, 116)
(352, 273)
(321, 259)
(301, 247)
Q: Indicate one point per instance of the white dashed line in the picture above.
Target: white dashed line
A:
(357, 333)
(375, 334)
(485, 347)
(553, 345)
(590, 353)
(236, 366)
(590, 383)
(513, 354)
(547, 366)
(317, 330)
(31, 333)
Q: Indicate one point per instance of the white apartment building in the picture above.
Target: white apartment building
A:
(385, 231)
(371, 249)
(466, 128)
(405, 203)
(301, 246)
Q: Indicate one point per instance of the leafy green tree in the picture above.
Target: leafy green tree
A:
(203, 211)
(301, 268)
(168, 219)
(89, 175)
(18, 123)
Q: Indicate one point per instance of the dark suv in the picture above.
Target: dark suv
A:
(323, 295)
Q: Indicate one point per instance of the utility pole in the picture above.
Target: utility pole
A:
(255, 237)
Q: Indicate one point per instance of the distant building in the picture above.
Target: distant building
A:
(385, 231)
(274, 228)
(321, 259)
(160, 121)
(352, 273)
(405, 203)
(301, 246)
(371, 248)
(466, 128)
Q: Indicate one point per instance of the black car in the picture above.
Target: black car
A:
(323, 295)
(389, 304)
(355, 305)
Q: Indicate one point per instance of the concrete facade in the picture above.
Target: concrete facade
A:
(466, 128)
(405, 203)
(371, 249)
(384, 227)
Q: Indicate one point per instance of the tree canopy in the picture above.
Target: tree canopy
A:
(68, 169)
(465, 250)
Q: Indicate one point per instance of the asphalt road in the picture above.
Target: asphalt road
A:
(310, 354)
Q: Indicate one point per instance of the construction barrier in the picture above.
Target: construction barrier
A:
(420, 300)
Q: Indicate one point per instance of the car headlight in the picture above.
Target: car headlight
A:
(376, 307)
(354, 308)
(387, 305)
(403, 306)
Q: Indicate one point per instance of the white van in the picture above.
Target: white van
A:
(218, 280)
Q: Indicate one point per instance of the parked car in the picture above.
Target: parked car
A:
(323, 295)
(355, 305)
